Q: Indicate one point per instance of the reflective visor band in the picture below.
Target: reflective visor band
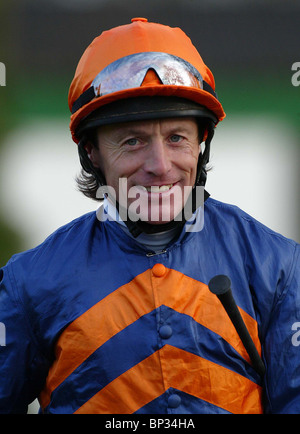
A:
(129, 72)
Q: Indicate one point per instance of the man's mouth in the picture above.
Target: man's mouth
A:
(157, 188)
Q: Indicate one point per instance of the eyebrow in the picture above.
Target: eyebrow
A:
(139, 130)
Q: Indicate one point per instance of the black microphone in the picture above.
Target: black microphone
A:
(221, 286)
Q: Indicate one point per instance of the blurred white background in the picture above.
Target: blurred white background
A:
(254, 166)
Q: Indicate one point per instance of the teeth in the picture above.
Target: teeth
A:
(159, 189)
(165, 187)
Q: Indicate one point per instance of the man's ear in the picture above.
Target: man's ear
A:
(91, 151)
(88, 147)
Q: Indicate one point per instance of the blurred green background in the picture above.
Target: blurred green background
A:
(249, 45)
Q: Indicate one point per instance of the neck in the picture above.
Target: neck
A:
(154, 237)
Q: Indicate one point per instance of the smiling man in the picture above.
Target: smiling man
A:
(116, 312)
(157, 159)
(154, 169)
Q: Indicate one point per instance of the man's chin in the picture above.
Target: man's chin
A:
(157, 217)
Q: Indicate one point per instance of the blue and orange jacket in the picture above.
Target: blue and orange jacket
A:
(97, 324)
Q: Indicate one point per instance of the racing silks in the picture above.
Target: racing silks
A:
(95, 323)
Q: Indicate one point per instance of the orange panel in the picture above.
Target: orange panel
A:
(127, 304)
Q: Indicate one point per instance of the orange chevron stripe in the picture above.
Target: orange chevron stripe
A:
(172, 367)
(129, 392)
(193, 298)
(126, 305)
(92, 329)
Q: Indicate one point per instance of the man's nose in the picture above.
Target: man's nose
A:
(158, 160)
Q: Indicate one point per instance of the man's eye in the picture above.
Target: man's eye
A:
(131, 142)
(175, 138)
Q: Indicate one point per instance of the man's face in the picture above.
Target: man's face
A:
(157, 162)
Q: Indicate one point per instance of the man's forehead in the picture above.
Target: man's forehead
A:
(178, 123)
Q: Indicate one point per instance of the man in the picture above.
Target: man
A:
(113, 313)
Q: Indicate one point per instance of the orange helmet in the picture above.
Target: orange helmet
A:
(137, 60)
